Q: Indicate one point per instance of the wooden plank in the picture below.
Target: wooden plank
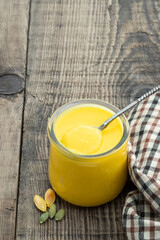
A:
(108, 50)
(13, 39)
(10, 127)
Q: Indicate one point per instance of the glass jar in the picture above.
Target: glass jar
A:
(87, 180)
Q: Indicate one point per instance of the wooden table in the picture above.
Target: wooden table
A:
(61, 51)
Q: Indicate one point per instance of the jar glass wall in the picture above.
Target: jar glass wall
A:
(87, 180)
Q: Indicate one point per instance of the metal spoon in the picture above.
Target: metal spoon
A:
(105, 124)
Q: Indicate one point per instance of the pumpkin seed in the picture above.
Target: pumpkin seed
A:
(40, 203)
(50, 197)
(52, 211)
(44, 217)
(60, 214)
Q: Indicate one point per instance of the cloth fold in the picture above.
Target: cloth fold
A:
(141, 212)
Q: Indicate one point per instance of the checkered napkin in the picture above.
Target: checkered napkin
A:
(141, 213)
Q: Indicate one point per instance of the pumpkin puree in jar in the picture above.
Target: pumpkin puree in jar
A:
(83, 180)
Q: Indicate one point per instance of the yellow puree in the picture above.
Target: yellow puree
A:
(85, 181)
(82, 139)
(75, 130)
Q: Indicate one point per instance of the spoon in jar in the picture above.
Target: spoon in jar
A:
(147, 94)
(89, 137)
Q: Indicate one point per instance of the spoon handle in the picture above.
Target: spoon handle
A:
(147, 94)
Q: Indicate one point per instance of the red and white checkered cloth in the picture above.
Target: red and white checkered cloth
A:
(141, 213)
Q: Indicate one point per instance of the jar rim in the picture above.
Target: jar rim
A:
(101, 103)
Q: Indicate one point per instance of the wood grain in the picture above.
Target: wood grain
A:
(13, 39)
(106, 50)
